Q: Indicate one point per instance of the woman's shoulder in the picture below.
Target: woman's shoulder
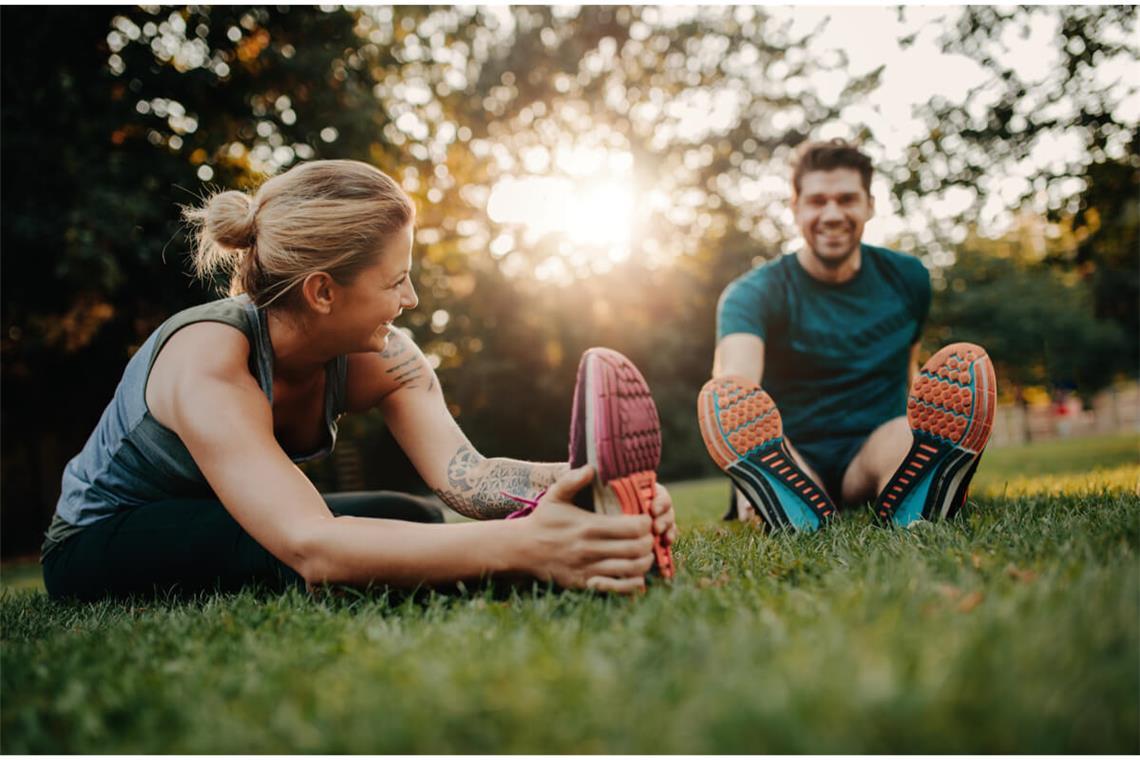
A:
(237, 312)
(207, 347)
(228, 321)
(201, 354)
(209, 340)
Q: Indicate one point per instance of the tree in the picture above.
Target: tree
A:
(1037, 323)
(132, 112)
(142, 109)
(1049, 139)
(1107, 225)
(546, 89)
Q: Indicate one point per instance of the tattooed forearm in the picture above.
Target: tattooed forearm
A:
(464, 462)
(476, 485)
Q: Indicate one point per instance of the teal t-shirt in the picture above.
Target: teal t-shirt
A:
(835, 356)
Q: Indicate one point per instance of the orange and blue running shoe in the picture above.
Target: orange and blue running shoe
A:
(744, 435)
(614, 427)
(951, 412)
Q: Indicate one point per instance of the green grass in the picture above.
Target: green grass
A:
(1082, 455)
(1015, 628)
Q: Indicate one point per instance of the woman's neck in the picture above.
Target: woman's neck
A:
(297, 352)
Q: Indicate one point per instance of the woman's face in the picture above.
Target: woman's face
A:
(379, 294)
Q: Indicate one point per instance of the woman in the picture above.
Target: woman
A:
(189, 480)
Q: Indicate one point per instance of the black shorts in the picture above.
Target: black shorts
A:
(187, 546)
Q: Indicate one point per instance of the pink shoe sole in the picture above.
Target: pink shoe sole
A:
(615, 428)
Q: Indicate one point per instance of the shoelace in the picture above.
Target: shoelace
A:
(529, 504)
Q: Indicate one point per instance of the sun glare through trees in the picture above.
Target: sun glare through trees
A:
(594, 216)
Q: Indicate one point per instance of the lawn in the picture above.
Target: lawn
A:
(1015, 628)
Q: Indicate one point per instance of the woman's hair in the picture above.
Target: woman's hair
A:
(320, 216)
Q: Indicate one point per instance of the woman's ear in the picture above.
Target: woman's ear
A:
(318, 292)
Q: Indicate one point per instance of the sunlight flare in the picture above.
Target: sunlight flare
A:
(595, 215)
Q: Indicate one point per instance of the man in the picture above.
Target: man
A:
(832, 332)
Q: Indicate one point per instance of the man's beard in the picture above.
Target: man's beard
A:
(833, 262)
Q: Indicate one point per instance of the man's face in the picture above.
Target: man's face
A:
(831, 209)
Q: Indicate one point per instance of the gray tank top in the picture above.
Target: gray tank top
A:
(130, 459)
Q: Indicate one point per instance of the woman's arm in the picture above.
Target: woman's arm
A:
(403, 385)
(200, 388)
(477, 486)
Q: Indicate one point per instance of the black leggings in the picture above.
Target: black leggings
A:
(186, 546)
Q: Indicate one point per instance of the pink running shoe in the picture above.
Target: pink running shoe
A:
(614, 427)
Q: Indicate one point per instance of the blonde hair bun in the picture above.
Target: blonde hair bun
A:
(230, 221)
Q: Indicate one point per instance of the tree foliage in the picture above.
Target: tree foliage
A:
(1022, 106)
(1049, 137)
(113, 117)
(109, 116)
(1036, 322)
(147, 108)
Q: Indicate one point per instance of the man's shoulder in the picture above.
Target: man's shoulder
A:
(749, 300)
(897, 259)
(910, 268)
(906, 274)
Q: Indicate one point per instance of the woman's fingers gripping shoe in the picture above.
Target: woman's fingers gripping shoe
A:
(664, 519)
(579, 549)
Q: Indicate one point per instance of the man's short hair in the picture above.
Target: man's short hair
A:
(822, 156)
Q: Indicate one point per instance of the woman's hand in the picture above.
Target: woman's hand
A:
(579, 549)
(664, 520)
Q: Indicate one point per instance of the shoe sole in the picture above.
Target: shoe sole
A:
(744, 435)
(623, 440)
(950, 410)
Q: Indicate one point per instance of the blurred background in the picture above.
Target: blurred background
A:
(583, 176)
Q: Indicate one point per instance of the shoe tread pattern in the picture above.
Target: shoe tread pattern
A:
(744, 435)
(627, 438)
(954, 396)
(629, 431)
(950, 410)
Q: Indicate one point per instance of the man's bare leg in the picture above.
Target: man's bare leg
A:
(877, 460)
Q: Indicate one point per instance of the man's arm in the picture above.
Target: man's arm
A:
(740, 354)
(922, 294)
